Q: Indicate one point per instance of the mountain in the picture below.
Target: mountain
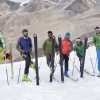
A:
(6, 5)
(38, 16)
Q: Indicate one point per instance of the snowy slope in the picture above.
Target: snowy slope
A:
(84, 89)
(25, 2)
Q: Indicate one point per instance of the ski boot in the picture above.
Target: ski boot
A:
(66, 74)
(25, 78)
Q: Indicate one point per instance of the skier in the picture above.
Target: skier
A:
(47, 47)
(24, 46)
(3, 54)
(96, 41)
(67, 47)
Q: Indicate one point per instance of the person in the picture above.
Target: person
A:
(96, 41)
(3, 54)
(79, 49)
(66, 49)
(24, 46)
(47, 47)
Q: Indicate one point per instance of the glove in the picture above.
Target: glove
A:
(30, 51)
(68, 52)
(22, 52)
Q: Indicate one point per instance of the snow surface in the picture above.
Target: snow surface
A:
(87, 88)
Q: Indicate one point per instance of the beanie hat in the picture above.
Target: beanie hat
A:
(78, 39)
(67, 34)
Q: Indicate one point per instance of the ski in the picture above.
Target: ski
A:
(61, 58)
(72, 78)
(36, 59)
(11, 59)
(56, 80)
(88, 73)
(53, 71)
(52, 59)
(83, 59)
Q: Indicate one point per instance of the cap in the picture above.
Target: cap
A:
(78, 39)
(67, 34)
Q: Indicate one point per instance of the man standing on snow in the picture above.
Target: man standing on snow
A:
(66, 49)
(24, 46)
(47, 47)
(96, 41)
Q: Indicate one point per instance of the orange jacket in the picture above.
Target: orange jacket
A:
(66, 47)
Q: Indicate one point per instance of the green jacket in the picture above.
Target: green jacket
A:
(79, 49)
(96, 40)
(47, 46)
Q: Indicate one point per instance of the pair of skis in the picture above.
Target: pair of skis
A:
(52, 59)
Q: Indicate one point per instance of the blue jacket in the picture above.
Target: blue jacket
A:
(24, 44)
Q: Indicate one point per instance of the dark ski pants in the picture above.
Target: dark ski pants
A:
(80, 59)
(48, 59)
(27, 63)
(66, 60)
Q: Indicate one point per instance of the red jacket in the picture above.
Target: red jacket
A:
(66, 46)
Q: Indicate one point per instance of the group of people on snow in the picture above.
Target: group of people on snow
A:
(24, 46)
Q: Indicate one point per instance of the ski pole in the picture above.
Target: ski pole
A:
(96, 62)
(11, 60)
(73, 63)
(19, 70)
(91, 62)
(6, 72)
(6, 67)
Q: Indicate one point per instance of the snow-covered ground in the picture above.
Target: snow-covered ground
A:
(83, 89)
